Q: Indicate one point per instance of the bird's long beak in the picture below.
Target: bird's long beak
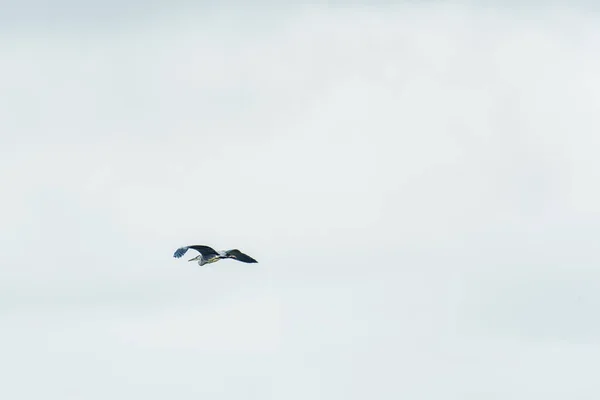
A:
(192, 259)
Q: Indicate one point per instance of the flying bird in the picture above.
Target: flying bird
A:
(209, 255)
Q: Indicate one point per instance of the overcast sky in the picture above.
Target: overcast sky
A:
(418, 182)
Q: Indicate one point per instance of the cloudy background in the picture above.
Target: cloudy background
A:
(419, 183)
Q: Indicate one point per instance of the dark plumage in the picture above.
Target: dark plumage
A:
(209, 255)
(238, 255)
(204, 250)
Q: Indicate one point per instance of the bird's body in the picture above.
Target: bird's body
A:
(209, 255)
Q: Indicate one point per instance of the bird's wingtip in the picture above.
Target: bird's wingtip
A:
(180, 252)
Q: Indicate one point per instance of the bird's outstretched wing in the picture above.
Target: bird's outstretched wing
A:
(204, 250)
(238, 255)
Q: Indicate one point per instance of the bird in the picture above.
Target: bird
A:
(209, 255)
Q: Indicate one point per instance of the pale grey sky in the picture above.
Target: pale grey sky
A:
(418, 183)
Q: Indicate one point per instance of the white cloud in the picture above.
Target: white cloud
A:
(239, 326)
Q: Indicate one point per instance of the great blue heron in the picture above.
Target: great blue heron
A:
(209, 255)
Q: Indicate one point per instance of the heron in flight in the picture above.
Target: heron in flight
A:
(209, 255)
